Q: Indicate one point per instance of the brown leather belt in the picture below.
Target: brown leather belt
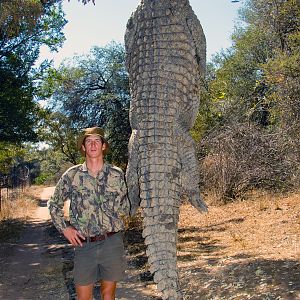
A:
(98, 238)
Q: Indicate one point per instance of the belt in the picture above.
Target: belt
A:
(97, 238)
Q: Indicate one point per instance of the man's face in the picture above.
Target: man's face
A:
(93, 146)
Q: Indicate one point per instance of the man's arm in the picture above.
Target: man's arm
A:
(56, 204)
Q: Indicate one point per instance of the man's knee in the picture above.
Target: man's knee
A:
(84, 292)
(108, 289)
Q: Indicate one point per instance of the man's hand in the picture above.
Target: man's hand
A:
(73, 236)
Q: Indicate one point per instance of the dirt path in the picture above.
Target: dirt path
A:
(26, 261)
(243, 250)
(40, 265)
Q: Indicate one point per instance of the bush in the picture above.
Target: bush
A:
(42, 179)
(242, 157)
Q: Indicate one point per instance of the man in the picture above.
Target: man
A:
(98, 197)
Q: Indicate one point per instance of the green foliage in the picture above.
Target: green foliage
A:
(210, 113)
(252, 95)
(25, 26)
(10, 155)
(242, 89)
(58, 131)
(43, 178)
(52, 165)
(241, 80)
(90, 90)
(18, 112)
(46, 165)
(17, 16)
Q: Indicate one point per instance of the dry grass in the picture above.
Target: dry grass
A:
(261, 227)
(16, 211)
(21, 205)
(242, 250)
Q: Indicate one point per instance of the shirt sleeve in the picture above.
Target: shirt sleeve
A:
(56, 203)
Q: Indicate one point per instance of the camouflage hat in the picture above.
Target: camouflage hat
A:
(88, 132)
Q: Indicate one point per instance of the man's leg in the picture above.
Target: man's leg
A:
(84, 292)
(108, 289)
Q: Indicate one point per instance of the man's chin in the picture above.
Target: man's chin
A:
(94, 154)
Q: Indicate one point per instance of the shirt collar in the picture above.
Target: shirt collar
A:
(85, 169)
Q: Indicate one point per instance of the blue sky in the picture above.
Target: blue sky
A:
(97, 25)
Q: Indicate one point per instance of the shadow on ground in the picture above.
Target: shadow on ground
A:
(236, 277)
(201, 260)
(136, 259)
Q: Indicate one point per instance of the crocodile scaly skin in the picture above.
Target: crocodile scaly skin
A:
(165, 58)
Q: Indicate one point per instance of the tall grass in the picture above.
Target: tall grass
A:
(14, 213)
(20, 206)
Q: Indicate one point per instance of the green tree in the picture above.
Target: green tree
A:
(93, 90)
(255, 94)
(9, 155)
(46, 164)
(275, 25)
(240, 79)
(57, 131)
(209, 115)
(25, 26)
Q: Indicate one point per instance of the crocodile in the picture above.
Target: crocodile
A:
(166, 59)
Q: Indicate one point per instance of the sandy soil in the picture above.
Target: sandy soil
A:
(243, 250)
(24, 264)
(39, 265)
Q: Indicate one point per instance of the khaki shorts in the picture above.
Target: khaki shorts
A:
(103, 260)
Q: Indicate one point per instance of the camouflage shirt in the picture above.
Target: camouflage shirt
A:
(96, 203)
